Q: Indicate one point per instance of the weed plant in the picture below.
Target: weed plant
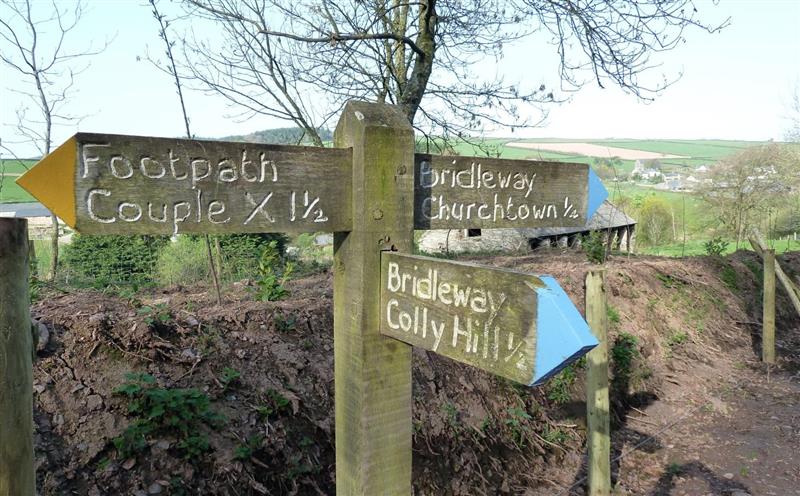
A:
(271, 276)
(715, 247)
(516, 422)
(162, 412)
(156, 316)
(594, 247)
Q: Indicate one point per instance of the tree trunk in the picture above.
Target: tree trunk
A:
(423, 64)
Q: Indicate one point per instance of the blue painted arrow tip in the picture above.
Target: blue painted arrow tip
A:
(563, 335)
(597, 194)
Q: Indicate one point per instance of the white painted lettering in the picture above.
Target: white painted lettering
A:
(136, 215)
(149, 160)
(196, 164)
(227, 172)
(217, 207)
(393, 281)
(117, 159)
(172, 161)
(178, 219)
(90, 206)
(90, 159)
(258, 207)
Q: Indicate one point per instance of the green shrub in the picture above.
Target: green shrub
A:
(310, 257)
(594, 247)
(273, 403)
(157, 316)
(624, 351)
(559, 387)
(184, 261)
(271, 275)
(99, 261)
(677, 338)
(716, 246)
(613, 315)
(516, 421)
(245, 450)
(159, 412)
(241, 253)
(229, 377)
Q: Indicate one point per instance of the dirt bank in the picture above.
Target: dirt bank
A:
(250, 387)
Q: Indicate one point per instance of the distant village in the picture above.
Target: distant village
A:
(649, 171)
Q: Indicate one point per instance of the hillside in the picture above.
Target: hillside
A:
(280, 136)
(694, 411)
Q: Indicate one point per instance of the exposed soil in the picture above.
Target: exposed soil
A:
(696, 412)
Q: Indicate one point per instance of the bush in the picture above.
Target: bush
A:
(184, 261)
(594, 246)
(716, 247)
(623, 353)
(100, 261)
(241, 253)
(162, 412)
(272, 275)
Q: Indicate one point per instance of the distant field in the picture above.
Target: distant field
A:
(594, 150)
(9, 166)
(693, 153)
(711, 150)
(10, 170)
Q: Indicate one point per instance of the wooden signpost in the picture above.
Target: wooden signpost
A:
(372, 192)
(471, 192)
(111, 184)
(518, 326)
(17, 474)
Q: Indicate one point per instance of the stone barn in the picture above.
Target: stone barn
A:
(619, 229)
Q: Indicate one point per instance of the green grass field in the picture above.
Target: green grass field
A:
(9, 171)
(679, 202)
(697, 152)
(696, 247)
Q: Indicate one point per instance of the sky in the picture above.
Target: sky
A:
(736, 84)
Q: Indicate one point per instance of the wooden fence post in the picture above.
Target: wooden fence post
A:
(768, 322)
(759, 246)
(597, 402)
(372, 372)
(17, 475)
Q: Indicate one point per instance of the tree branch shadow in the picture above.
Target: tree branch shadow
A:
(697, 470)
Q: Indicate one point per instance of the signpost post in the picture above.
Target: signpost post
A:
(17, 474)
(372, 192)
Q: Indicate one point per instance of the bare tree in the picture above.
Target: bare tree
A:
(793, 117)
(171, 68)
(744, 189)
(300, 61)
(34, 45)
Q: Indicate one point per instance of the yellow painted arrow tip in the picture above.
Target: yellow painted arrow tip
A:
(52, 181)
